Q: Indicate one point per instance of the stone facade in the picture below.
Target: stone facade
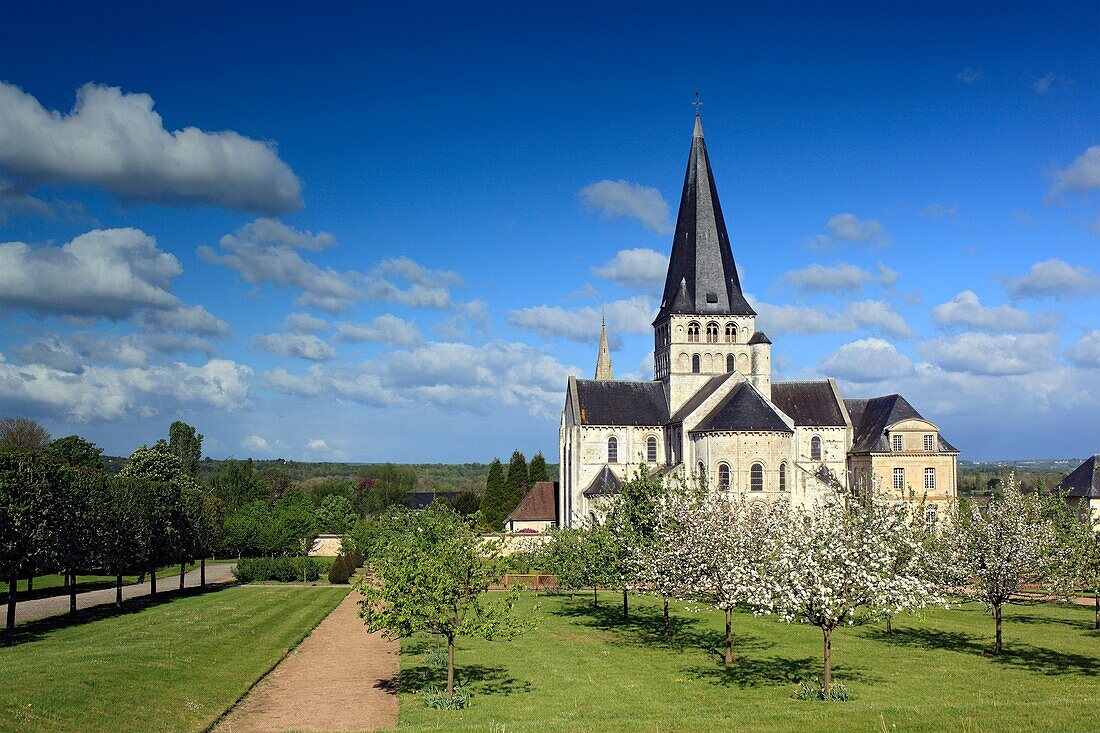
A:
(712, 412)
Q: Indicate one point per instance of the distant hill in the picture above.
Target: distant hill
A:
(1031, 464)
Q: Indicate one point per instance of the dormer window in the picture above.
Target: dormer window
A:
(896, 442)
(929, 443)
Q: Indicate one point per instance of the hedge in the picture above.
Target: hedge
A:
(283, 569)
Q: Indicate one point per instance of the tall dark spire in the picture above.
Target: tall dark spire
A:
(702, 277)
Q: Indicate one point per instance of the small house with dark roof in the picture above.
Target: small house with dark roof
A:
(712, 411)
(537, 510)
(1081, 489)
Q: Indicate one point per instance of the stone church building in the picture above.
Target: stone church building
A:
(712, 410)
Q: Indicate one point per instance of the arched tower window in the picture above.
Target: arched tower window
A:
(612, 449)
(651, 449)
(693, 333)
(731, 333)
(723, 477)
(695, 364)
(712, 333)
(756, 477)
(729, 362)
(815, 448)
(782, 476)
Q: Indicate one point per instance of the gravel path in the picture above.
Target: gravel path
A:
(216, 574)
(331, 683)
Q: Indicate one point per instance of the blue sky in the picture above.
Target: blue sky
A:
(444, 198)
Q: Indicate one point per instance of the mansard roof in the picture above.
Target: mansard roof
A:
(608, 402)
(606, 483)
(871, 417)
(1083, 481)
(537, 505)
(702, 277)
(809, 403)
(743, 409)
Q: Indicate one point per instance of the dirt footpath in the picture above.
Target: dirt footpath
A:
(329, 684)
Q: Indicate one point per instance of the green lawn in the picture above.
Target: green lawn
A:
(589, 671)
(170, 665)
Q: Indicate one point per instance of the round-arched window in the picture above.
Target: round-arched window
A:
(729, 362)
(613, 450)
(756, 477)
(693, 333)
(782, 476)
(731, 333)
(651, 449)
(723, 477)
(815, 448)
(712, 333)
(695, 364)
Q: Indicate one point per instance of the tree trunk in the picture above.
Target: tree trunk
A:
(30, 584)
(13, 587)
(183, 569)
(626, 611)
(450, 666)
(72, 592)
(889, 623)
(997, 644)
(153, 582)
(202, 573)
(118, 589)
(729, 636)
(595, 598)
(827, 633)
(666, 629)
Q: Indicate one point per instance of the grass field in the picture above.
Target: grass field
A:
(584, 670)
(169, 665)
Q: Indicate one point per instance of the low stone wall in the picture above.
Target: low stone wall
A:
(326, 545)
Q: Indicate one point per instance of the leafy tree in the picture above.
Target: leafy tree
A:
(538, 470)
(632, 519)
(77, 452)
(23, 433)
(335, 515)
(29, 483)
(124, 534)
(993, 551)
(237, 484)
(495, 497)
(581, 557)
(206, 520)
(275, 479)
(186, 443)
(1076, 566)
(467, 503)
(247, 528)
(81, 497)
(515, 483)
(431, 574)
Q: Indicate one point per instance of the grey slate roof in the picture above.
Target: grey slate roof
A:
(870, 417)
(743, 409)
(605, 484)
(1083, 481)
(702, 277)
(759, 338)
(808, 403)
(606, 402)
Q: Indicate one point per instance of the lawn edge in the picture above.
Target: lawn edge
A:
(305, 635)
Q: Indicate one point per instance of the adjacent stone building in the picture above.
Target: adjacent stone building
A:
(712, 410)
(1081, 489)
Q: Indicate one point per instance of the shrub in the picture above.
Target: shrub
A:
(437, 699)
(353, 559)
(436, 657)
(281, 569)
(338, 572)
(814, 689)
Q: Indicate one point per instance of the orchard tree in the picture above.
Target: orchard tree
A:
(632, 521)
(1079, 569)
(581, 557)
(720, 550)
(837, 563)
(186, 443)
(994, 550)
(29, 486)
(23, 434)
(431, 572)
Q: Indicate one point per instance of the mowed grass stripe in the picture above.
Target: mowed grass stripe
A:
(589, 671)
(170, 666)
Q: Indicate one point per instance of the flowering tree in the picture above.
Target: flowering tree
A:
(838, 563)
(995, 550)
(1079, 569)
(717, 549)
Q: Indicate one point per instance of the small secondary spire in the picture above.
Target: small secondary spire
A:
(603, 360)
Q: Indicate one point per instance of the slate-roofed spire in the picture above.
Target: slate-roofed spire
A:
(603, 361)
(702, 277)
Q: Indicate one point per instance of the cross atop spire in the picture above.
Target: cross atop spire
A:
(697, 104)
(603, 361)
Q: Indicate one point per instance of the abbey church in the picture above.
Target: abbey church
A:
(714, 412)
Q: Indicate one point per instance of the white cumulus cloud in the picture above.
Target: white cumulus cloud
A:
(867, 360)
(632, 315)
(1082, 174)
(1086, 352)
(618, 199)
(385, 329)
(300, 345)
(965, 310)
(639, 268)
(991, 354)
(1054, 278)
(115, 140)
